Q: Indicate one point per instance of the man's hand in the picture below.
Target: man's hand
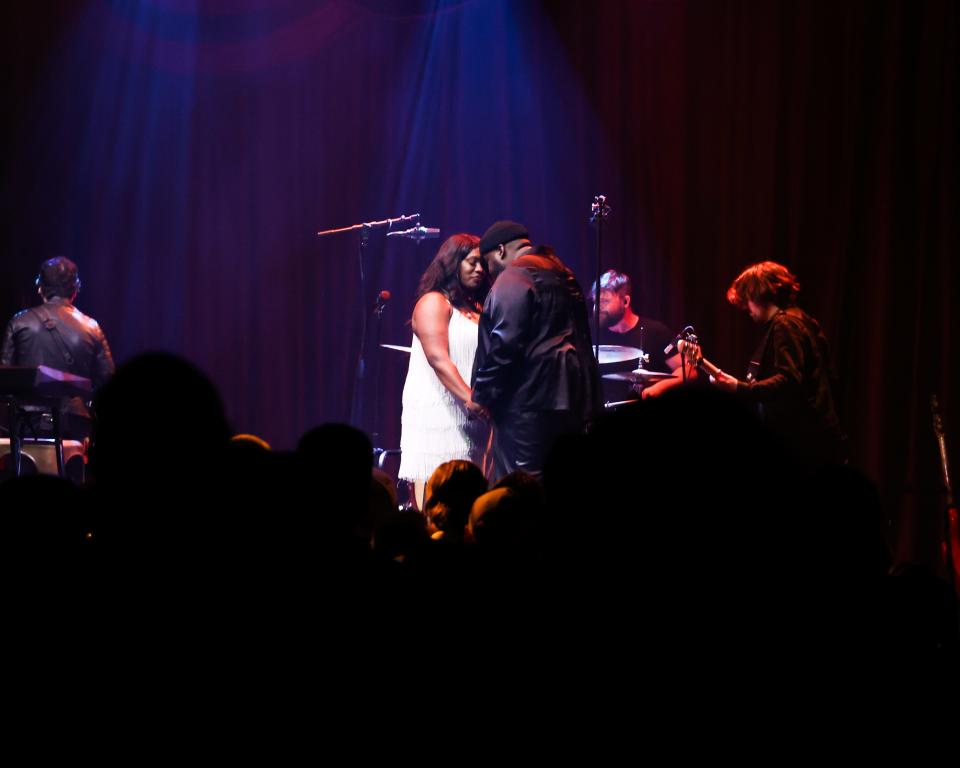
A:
(477, 411)
(655, 390)
(724, 381)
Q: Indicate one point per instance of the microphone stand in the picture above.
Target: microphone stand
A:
(377, 352)
(599, 212)
(356, 401)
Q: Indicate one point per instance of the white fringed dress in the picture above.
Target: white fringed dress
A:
(434, 424)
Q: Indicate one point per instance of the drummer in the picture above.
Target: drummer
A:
(620, 325)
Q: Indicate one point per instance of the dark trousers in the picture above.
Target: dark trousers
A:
(522, 441)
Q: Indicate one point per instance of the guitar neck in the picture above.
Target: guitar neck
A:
(945, 470)
(709, 367)
(942, 446)
(686, 348)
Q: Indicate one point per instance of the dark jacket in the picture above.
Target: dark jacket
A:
(790, 382)
(59, 335)
(534, 350)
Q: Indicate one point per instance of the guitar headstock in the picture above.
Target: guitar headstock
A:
(690, 350)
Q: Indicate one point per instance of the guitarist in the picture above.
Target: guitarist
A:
(789, 379)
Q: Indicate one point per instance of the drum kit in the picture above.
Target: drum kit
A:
(625, 364)
(616, 364)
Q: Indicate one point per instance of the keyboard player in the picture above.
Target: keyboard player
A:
(58, 335)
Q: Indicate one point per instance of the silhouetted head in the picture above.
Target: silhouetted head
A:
(339, 453)
(157, 412)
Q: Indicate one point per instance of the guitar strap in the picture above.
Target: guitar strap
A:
(754, 368)
(50, 324)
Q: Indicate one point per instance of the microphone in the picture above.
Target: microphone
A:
(417, 233)
(672, 346)
(382, 298)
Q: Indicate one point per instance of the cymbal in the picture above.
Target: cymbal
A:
(397, 347)
(611, 354)
(638, 376)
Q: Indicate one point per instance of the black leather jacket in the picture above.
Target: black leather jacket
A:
(534, 352)
(59, 335)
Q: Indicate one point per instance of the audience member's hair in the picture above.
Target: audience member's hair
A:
(451, 491)
(252, 440)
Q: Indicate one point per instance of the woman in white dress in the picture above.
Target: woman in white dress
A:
(440, 421)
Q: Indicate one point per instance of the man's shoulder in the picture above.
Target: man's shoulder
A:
(85, 319)
(529, 262)
(66, 310)
(653, 325)
(795, 320)
(794, 327)
(542, 268)
(515, 274)
(542, 257)
(22, 318)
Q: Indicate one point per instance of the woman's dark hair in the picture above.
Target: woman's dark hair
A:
(443, 273)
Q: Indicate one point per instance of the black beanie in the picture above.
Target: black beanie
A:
(500, 233)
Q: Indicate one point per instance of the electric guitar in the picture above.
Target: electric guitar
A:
(950, 546)
(692, 354)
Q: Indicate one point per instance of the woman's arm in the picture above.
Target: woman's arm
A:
(431, 321)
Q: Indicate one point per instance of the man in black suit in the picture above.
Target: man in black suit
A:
(534, 370)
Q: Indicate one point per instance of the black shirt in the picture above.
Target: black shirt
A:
(649, 335)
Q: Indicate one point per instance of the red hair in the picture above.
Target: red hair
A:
(762, 283)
